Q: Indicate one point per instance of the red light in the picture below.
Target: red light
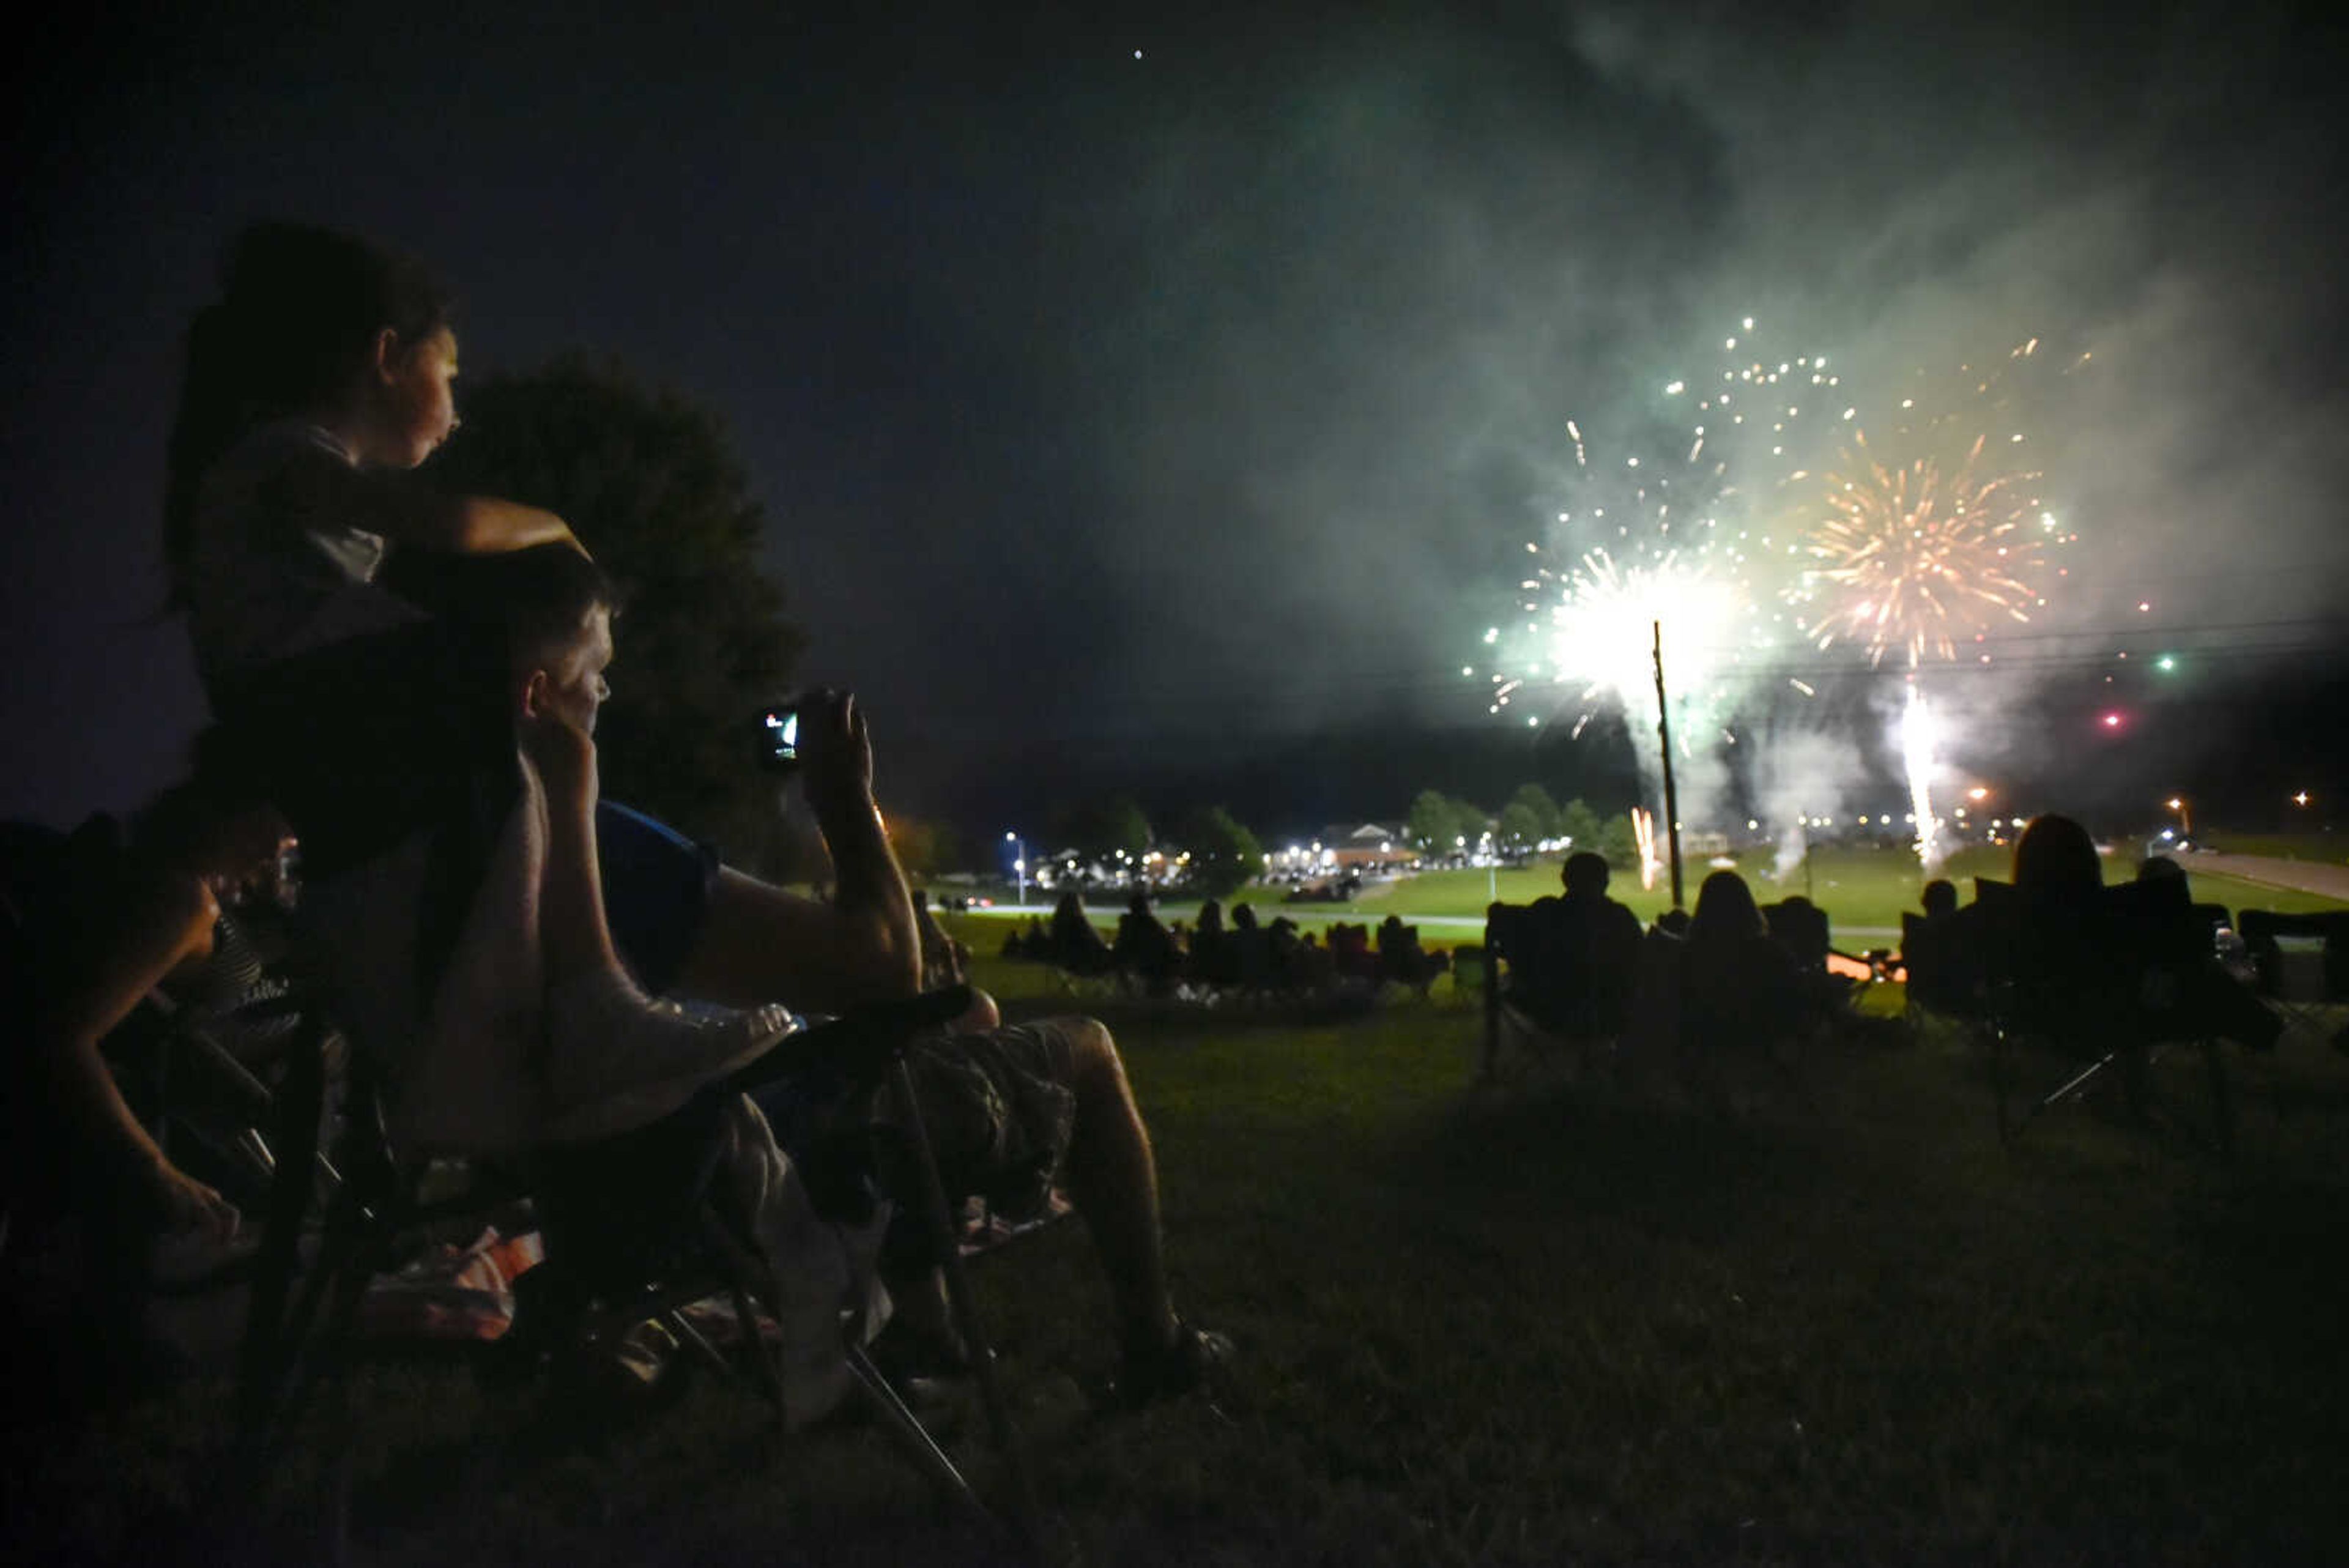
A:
(2112, 720)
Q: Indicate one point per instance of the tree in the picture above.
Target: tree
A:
(1520, 827)
(650, 482)
(925, 847)
(1439, 822)
(1537, 809)
(1103, 829)
(1225, 857)
(1578, 824)
(1617, 840)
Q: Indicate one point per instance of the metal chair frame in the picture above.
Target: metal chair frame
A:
(297, 1341)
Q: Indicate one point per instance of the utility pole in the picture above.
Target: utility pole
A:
(1664, 739)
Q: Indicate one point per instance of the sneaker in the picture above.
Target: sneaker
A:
(1198, 1357)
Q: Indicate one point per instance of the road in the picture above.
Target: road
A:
(2328, 878)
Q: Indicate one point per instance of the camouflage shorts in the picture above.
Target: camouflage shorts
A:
(998, 1110)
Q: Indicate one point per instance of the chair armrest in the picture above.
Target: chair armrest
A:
(860, 1041)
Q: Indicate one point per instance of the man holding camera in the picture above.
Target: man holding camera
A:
(1011, 1111)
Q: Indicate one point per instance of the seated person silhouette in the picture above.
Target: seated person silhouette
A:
(2089, 963)
(1935, 960)
(1401, 957)
(1144, 947)
(1349, 951)
(1077, 947)
(1214, 959)
(1310, 968)
(1251, 949)
(1738, 988)
(1940, 898)
(1582, 971)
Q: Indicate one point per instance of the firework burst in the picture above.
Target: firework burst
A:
(1926, 529)
(1641, 540)
(1917, 556)
(1596, 635)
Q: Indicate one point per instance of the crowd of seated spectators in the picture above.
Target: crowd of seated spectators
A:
(2057, 951)
(1239, 953)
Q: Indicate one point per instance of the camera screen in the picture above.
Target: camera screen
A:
(782, 735)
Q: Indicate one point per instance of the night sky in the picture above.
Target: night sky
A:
(1136, 401)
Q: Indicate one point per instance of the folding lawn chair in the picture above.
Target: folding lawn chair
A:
(1829, 976)
(2064, 984)
(2301, 966)
(1942, 999)
(1544, 990)
(622, 1250)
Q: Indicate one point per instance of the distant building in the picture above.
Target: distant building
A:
(1366, 847)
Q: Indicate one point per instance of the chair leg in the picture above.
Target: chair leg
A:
(2222, 1101)
(2002, 1082)
(266, 1353)
(1028, 1512)
(908, 1429)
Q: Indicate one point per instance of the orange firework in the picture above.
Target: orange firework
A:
(1917, 556)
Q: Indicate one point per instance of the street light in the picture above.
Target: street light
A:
(1019, 862)
(2185, 815)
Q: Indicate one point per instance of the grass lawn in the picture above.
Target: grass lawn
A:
(1555, 1322)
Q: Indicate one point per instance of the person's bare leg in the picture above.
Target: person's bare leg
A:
(1112, 1181)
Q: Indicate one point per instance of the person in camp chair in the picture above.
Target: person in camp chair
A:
(1011, 1111)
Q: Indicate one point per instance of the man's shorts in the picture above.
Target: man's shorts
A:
(998, 1108)
(657, 890)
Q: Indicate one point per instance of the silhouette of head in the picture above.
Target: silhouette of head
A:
(1940, 897)
(1585, 874)
(2056, 857)
(302, 313)
(2160, 868)
(1138, 904)
(1725, 910)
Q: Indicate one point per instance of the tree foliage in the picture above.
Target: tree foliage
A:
(1617, 841)
(1224, 856)
(1100, 829)
(1578, 824)
(1520, 827)
(651, 484)
(924, 846)
(1438, 823)
(1535, 807)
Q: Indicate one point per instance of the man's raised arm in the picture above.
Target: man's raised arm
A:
(762, 944)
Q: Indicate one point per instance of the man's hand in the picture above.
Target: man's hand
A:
(836, 752)
(564, 756)
(185, 1204)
